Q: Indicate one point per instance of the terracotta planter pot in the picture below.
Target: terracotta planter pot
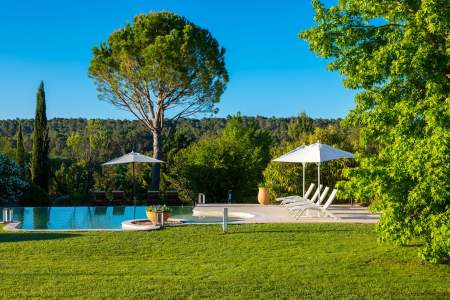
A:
(151, 215)
(263, 196)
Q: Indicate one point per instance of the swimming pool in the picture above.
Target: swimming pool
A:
(95, 217)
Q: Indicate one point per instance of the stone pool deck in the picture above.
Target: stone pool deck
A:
(255, 213)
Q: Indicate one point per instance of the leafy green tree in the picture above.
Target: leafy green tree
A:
(161, 62)
(20, 150)
(396, 53)
(71, 180)
(233, 160)
(89, 149)
(39, 155)
(5, 147)
(11, 184)
(300, 126)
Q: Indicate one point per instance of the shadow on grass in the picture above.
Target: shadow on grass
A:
(28, 236)
(413, 245)
(303, 230)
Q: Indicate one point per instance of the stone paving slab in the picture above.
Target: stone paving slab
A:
(255, 213)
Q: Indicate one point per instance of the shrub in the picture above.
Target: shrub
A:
(34, 195)
(11, 184)
(437, 246)
(163, 208)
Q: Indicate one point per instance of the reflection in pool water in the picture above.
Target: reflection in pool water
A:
(99, 217)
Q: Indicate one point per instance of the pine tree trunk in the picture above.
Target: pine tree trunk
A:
(157, 153)
(158, 121)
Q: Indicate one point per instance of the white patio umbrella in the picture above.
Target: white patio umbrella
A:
(314, 153)
(133, 158)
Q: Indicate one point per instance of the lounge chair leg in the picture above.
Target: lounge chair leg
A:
(296, 213)
(300, 213)
(332, 216)
(329, 214)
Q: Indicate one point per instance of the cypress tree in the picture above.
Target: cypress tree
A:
(39, 156)
(20, 150)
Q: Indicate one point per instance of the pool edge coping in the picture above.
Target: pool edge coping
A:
(12, 226)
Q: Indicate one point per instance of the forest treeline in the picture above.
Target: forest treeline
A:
(127, 135)
(211, 156)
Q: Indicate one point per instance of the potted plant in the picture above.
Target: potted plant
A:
(152, 211)
(263, 195)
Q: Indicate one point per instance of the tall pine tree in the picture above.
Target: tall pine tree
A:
(39, 156)
(20, 150)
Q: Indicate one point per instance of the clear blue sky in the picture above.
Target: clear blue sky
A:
(272, 72)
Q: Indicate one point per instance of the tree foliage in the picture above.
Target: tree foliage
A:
(300, 126)
(397, 54)
(5, 147)
(11, 183)
(232, 160)
(127, 135)
(160, 66)
(20, 150)
(40, 151)
(88, 148)
(91, 144)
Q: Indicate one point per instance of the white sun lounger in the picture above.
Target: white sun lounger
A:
(319, 201)
(301, 201)
(291, 199)
(294, 198)
(300, 210)
(288, 199)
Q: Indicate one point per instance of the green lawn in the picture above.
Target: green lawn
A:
(251, 261)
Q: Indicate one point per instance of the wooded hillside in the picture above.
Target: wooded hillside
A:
(126, 135)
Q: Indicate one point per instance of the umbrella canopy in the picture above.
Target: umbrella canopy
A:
(314, 153)
(132, 157)
(291, 156)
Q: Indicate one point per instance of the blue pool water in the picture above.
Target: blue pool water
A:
(90, 217)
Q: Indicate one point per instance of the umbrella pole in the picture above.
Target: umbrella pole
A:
(303, 180)
(134, 187)
(318, 177)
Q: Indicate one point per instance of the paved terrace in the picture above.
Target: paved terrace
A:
(255, 213)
